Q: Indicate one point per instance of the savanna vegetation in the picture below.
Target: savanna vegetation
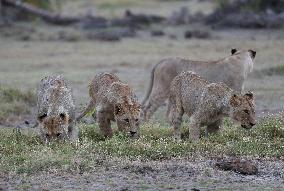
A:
(23, 152)
(33, 49)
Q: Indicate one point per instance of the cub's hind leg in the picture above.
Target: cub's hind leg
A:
(213, 127)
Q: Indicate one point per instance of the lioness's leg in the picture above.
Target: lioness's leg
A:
(213, 128)
(104, 123)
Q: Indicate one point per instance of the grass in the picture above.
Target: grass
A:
(23, 152)
(14, 101)
(276, 70)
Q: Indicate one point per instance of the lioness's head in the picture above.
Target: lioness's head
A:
(242, 109)
(128, 118)
(250, 53)
(54, 126)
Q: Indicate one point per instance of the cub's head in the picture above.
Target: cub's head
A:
(126, 108)
(128, 118)
(242, 109)
(54, 126)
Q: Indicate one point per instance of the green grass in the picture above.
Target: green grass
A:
(23, 152)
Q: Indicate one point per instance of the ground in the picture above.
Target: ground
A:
(24, 63)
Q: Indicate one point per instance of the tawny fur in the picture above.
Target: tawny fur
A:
(56, 109)
(232, 70)
(207, 104)
(113, 101)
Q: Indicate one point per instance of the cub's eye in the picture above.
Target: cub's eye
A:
(246, 111)
(136, 120)
(126, 120)
(41, 117)
(47, 135)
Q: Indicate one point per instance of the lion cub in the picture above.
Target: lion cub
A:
(207, 104)
(56, 109)
(113, 101)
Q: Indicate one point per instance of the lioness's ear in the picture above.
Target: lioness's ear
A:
(233, 51)
(252, 53)
(234, 100)
(249, 95)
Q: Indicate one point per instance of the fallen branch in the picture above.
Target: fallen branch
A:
(48, 16)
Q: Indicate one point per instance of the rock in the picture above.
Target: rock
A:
(103, 36)
(243, 166)
(196, 34)
(179, 17)
(143, 18)
(157, 33)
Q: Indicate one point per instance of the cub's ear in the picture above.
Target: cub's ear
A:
(233, 51)
(234, 100)
(249, 95)
(117, 109)
(252, 53)
(41, 117)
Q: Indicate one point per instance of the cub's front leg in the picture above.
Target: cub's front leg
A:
(175, 116)
(72, 133)
(104, 123)
(194, 129)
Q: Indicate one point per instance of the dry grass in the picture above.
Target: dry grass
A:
(114, 8)
(23, 64)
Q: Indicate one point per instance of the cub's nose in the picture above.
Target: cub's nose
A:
(132, 133)
(252, 124)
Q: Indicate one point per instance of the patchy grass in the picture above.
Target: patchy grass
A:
(276, 70)
(15, 102)
(23, 152)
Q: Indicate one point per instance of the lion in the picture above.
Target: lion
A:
(207, 104)
(232, 70)
(56, 109)
(113, 101)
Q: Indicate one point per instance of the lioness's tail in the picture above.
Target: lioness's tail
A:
(150, 87)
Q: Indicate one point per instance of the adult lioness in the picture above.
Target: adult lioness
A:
(207, 104)
(113, 101)
(232, 70)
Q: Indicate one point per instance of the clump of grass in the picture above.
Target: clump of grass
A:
(24, 152)
(15, 102)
